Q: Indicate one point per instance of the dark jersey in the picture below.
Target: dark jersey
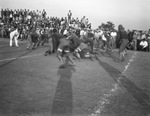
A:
(123, 35)
(57, 36)
(63, 42)
(34, 37)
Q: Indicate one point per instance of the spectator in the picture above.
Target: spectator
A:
(124, 41)
(135, 35)
(44, 13)
(69, 16)
(144, 45)
(138, 40)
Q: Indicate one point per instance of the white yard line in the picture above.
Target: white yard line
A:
(131, 60)
(7, 59)
(105, 100)
(28, 56)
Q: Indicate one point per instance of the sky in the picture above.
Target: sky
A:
(132, 14)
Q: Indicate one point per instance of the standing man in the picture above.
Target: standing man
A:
(124, 41)
(144, 45)
(44, 13)
(14, 35)
(69, 16)
(113, 39)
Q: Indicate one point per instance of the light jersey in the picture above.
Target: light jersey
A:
(29, 17)
(97, 35)
(143, 36)
(62, 22)
(144, 44)
(65, 32)
(82, 32)
(104, 38)
(100, 32)
(113, 34)
(14, 33)
(10, 15)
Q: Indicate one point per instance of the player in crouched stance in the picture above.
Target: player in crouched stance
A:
(83, 51)
(63, 51)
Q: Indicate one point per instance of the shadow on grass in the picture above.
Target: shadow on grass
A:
(142, 98)
(63, 99)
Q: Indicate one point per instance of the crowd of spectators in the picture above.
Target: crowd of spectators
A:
(139, 40)
(25, 19)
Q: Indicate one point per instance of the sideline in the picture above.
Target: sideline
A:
(105, 100)
(131, 60)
